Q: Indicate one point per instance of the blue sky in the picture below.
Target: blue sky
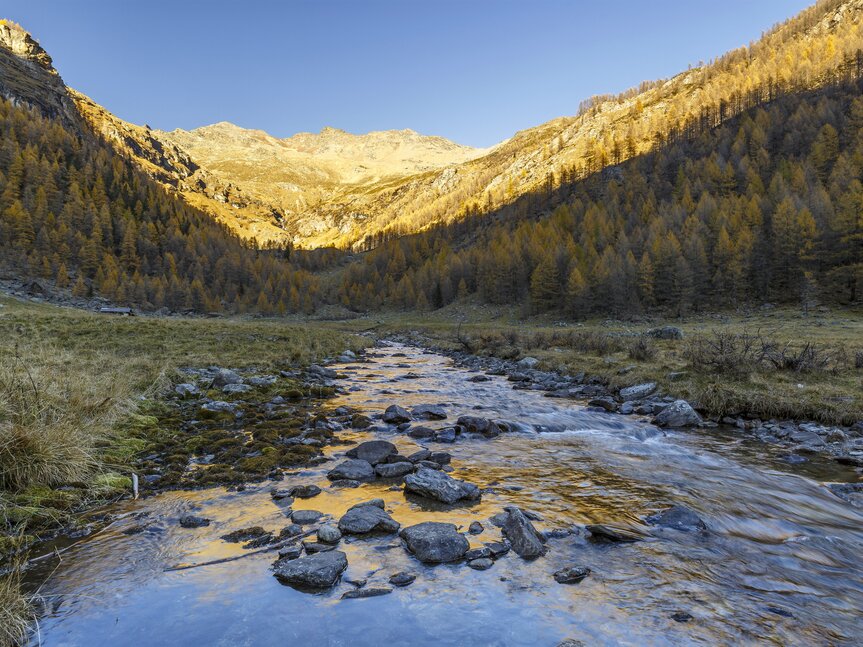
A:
(474, 71)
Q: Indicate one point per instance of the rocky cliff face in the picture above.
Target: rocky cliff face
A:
(28, 77)
(335, 188)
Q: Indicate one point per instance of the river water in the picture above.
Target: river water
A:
(780, 564)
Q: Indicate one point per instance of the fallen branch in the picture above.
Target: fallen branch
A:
(224, 560)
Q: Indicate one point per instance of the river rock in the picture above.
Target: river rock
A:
(434, 542)
(476, 425)
(677, 517)
(571, 574)
(616, 534)
(498, 548)
(638, 392)
(481, 564)
(305, 491)
(604, 402)
(478, 553)
(678, 414)
(441, 458)
(402, 579)
(352, 469)
(359, 421)
(475, 528)
(291, 530)
(318, 571)
(479, 378)
(429, 412)
(191, 521)
(421, 432)
(364, 519)
(306, 517)
(329, 534)
(395, 415)
(527, 363)
(371, 592)
(312, 547)
(522, 536)
(290, 552)
(262, 380)
(244, 534)
(447, 435)
(437, 485)
(394, 470)
(421, 455)
(372, 451)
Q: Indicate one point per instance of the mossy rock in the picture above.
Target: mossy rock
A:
(42, 496)
(259, 464)
(111, 482)
(299, 454)
(140, 423)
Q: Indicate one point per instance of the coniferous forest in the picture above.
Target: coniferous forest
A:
(767, 206)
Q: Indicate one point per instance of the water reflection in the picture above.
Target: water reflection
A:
(780, 564)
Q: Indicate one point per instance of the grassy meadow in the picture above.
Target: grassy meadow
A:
(71, 383)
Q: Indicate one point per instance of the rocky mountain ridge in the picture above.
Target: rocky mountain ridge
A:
(336, 188)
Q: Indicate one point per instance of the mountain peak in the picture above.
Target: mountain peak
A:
(19, 41)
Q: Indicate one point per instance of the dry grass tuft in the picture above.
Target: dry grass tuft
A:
(16, 611)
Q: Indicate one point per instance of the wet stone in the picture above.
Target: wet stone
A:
(481, 564)
(305, 491)
(402, 579)
(352, 469)
(318, 571)
(571, 574)
(191, 521)
(372, 451)
(244, 534)
(370, 592)
(434, 542)
(395, 415)
(522, 536)
(475, 528)
(677, 517)
(306, 517)
(439, 486)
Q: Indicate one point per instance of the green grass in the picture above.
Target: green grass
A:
(72, 384)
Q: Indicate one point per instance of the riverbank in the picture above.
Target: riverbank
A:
(765, 371)
(78, 395)
(450, 499)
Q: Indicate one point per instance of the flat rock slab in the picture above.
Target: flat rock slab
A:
(364, 519)
(677, 517)
(610, 533)
(372, 451)
(352, 469)
(441, 487)
(429, 412)
(371, 592)
(318, 571)
(394, 470)
(433, 542)
(305, 517)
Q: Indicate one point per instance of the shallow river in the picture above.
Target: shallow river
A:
(780, 564)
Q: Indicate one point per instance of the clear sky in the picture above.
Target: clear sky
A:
(474, 71)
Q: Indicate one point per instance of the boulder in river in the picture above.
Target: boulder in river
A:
(306, 517)
(318, 571)
(372, 451)
(421, 432)
(604, 402)
(394, 470)
(434, 542)
(352, 469)
(364, 519)
(429, 412)
(677, 517)
(437, 485)
(571, 574)
(678, 414)
(476, 425)
(522, 536)
(395, 415)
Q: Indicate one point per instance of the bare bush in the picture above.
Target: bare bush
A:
(642, 350)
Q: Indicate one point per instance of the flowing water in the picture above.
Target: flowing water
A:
(780, 563)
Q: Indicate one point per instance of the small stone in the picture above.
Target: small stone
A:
(681, 616)
(371, 592)
(305, 491)
(394, 470)
(481, 564)
(244, 534)
(306, 517)
(395, 415)
(402, 579)
(191, 521)
(475, 528)
(291, 552)
(571, 574)
(329, 534)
